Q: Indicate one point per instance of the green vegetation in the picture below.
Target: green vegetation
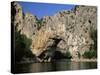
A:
(79, 55)
(68, 55)
(39, 23)
(90, 54)
(22, 46)
(94, 37)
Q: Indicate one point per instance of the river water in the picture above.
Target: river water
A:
(54, 66)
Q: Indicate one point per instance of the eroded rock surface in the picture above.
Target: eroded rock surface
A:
(74, 28)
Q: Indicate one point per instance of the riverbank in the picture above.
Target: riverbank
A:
(84, 60)
(64, 60)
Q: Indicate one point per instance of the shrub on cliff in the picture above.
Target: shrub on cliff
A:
(39, 23)
(90, 54)
(68, 55)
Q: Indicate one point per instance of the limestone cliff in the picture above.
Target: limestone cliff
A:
(73, 28)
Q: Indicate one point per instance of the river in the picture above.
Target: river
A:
(54, 66)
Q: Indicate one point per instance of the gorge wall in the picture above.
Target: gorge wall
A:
(75, 29)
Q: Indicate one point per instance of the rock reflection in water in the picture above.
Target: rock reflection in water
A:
(54, 66)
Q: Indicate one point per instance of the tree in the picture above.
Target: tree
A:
(22, 46)
(90, 54)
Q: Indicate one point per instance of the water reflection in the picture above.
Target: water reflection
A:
(54, 66)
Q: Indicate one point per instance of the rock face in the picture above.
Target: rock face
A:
(73, 28)
(26, 23)
(29, 25)
(17, 15)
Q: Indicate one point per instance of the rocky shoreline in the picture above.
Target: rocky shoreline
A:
(64, 60)
(84, 60)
